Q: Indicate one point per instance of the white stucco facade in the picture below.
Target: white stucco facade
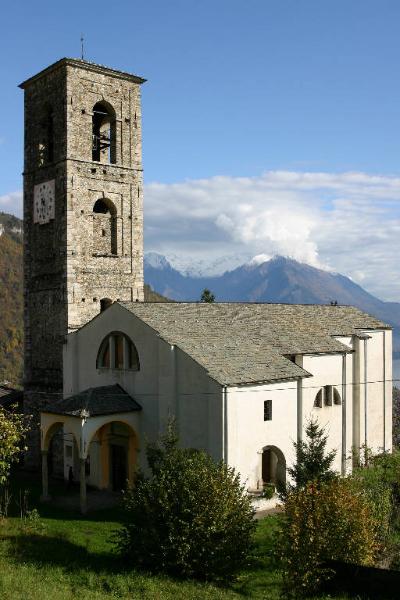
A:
(228, 420)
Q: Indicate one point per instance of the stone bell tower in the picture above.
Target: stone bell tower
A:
(83, 211)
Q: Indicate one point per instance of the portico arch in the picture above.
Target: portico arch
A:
(101, 423)
(112, 455)
(273, 466)
(50, 426)
(54, 446)
(49, 432)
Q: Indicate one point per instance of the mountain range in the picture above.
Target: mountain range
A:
(280, 279)
(277, 280)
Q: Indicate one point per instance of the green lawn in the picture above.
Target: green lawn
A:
(65, 556)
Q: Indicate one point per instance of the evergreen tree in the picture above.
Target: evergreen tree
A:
(207, 296)
(313, 461)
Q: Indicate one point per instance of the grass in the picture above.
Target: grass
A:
(63, 556)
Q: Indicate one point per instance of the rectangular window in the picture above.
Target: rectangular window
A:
(267, 410)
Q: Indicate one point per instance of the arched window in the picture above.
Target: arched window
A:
(46, 137)
(336, 397)
(103, 356)
(117, 351)
(104, 228)
(103, 133)
(326, 396)
(319, 399)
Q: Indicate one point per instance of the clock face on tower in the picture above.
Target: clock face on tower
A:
(43, 202)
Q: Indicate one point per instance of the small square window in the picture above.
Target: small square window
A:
(267, 410)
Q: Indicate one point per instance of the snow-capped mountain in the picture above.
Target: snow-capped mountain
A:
(277, 280)
(197, 267)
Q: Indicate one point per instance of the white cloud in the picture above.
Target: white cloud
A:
(12, 203)
(348, 222)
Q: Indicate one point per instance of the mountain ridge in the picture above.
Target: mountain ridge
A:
(279, 280)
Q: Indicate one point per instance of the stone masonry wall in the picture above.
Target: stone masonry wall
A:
(68, 269)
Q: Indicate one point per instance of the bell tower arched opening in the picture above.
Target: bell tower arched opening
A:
(104, 228)
(45, 146)
(104, 133)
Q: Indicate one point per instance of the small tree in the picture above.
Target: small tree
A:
(396, 417)
(191, 518)
(379, 481)
(13, 428)
(313, 461)
(328, 521)
(207, 296)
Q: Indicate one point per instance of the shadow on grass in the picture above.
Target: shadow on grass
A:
(86, 569)
(364, 582)
(261, 578)
(30, 483)
(58, 551)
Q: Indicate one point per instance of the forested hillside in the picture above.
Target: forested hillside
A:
(11, 299)
(11, 308)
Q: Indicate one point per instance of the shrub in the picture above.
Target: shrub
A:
(268, 491)
(13, 429)
(322, 522)
(191, 518)
(378, 483)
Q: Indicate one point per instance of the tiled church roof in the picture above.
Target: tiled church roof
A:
(243, 343)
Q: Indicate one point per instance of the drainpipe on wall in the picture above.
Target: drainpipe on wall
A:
(356, 401)
(365, 395)
(344, 417)
(225, 424)
(175, 384)
(299, 410)
(384, 391)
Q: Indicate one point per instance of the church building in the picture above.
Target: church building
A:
(108, 370)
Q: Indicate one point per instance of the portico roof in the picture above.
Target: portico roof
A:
(93, 402)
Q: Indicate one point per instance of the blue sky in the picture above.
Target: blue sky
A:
(237, 90)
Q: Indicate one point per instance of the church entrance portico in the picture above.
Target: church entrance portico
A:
(100, 450)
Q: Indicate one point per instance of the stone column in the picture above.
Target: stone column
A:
(82, 478)
(45, 478)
